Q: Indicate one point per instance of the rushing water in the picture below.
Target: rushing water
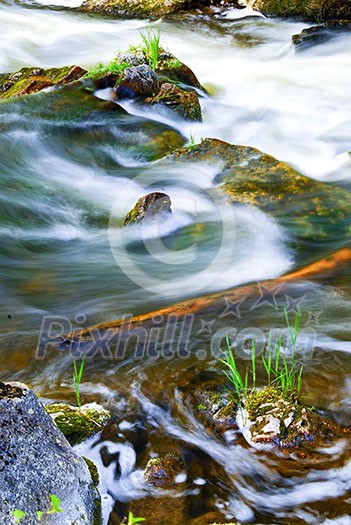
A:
(71, 167)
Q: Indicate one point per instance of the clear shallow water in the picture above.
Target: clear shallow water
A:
(71, 168)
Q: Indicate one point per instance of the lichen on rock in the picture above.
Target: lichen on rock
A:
(78, 424)
(37, 461)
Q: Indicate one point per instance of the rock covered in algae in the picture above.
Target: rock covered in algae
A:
(185, 103)
(162, 471)
(308, 9)
(321, 33)
(155, 205)
(78, 424)
(30, 80)
(311, 209)
(269, 418)
(215, 407)
(36, 461)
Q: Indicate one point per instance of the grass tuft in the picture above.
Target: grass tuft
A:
(102, 70)
(281, 374)
(151, 45)
(77, 379)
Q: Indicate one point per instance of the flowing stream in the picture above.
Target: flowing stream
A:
(72, 167)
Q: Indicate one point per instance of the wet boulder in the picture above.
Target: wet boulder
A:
(137, 81)
(154, 205)
(37, 462)
(308, 10)
(162, 471)
(30, 80)
(78, 424)
(320, 34)
(185, 103)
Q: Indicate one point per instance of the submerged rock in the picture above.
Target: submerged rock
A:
(78, 424)
(152, 205)
(249, 176)
(37, 462)
(215, 407)
(30, 80)
(185, 103)
(321, 33)
(162, 471)
(308, 9)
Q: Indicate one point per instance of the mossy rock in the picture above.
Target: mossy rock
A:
(155, 205)
(170, 68)
(185, 103)
(143, 8)
(78, 424)
(277, 420)
(133, 8)
(216, 408)
(311, 209)
(320, 10)
(162, 471)
(30, 80)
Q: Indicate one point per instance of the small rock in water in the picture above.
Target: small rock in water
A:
(37, 462)
(162, 471)
(152, 205)
(185, 103)
(314, 35)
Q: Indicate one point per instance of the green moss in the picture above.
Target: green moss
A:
(76, 424)
(94, 473)
(31, 80)
(114, 67)
(260, 400)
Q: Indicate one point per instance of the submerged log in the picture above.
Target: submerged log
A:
(325, 268)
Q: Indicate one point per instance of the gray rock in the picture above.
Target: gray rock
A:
(36, 462)
(134, 58)
(138, 81)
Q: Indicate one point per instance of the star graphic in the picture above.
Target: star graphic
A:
(293, 305)
(206, 326)
(232, 307)
(314, 317)
(267, 296)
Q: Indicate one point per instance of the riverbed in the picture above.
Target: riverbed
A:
(70, 170)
